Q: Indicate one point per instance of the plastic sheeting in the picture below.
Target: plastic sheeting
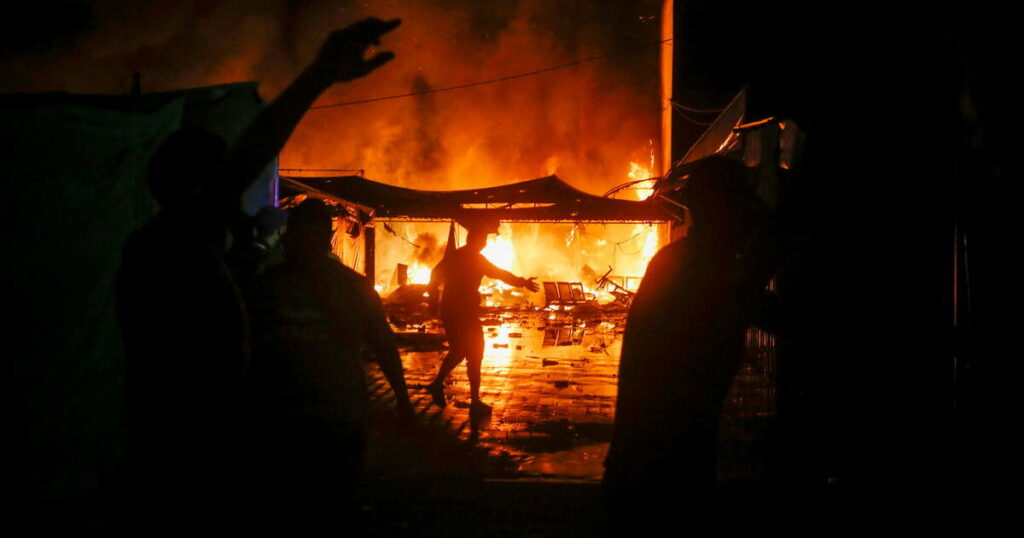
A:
(546, 199)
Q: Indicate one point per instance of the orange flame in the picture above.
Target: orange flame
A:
(500, 252)
(418, 274)
(643, 171)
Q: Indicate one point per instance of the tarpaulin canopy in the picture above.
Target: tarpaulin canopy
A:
(546, 199)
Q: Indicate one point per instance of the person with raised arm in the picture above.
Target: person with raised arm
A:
(183, 322)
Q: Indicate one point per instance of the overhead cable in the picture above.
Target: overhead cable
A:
(691, 120)
(493, 80)
(696, 110)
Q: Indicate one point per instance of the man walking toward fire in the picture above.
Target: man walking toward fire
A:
(461, 272)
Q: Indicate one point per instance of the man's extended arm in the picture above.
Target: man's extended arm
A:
(340, 59)
(493, 271)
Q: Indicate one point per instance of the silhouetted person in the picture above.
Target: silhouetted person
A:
(182, 321)
(313, 321)
(460, 272)
(682, 347)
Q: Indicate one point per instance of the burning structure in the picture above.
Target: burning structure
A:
(550, 229)
(544, 231)
(897, 280)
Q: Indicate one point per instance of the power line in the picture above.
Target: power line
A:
(493, 80)
(696, 110)
(387, 226)
(359, 170)
(693, 121)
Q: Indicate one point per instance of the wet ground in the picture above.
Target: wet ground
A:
(533, 468)
(551, 380)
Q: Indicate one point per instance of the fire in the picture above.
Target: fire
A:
(551, 252)
(643, 171)
(500, 252)
(418, 274)
(646, 241)
(651, 242)
(583, 124)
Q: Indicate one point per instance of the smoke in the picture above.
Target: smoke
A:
(585, 123)
(428, 253)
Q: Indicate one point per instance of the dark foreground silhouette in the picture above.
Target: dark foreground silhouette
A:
(681, 349)
(182, 319)
(313, 321)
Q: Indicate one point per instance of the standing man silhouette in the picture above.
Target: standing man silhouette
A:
(182, 318)
(461, 272)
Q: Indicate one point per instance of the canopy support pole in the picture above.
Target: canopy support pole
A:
(370, 259)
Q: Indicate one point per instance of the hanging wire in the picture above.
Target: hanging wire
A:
(359, 171)
(627, 253)
(693, 121)
(493, 80)
(629, 184)
(618, 245)
(387, 226)
(676, 104)
(630, 238)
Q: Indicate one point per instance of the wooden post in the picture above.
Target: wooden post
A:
(370, 259)
(402, 270)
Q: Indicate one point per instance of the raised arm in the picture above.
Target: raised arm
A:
(493, 271)
(341, 58)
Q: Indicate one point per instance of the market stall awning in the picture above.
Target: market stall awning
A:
(546, 199)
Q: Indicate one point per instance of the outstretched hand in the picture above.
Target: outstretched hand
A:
(343, 55)
(529, 283)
